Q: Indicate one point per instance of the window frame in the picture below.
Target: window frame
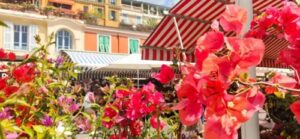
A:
(71, 41)
(110, 43)
(20, 37)
(112, 2)
(111, 16)
(139, 42)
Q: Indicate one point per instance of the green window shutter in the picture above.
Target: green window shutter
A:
(133, 46)
(104, 43)
(100, 47)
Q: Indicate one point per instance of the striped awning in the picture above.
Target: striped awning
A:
(193, 18)
(90, 60)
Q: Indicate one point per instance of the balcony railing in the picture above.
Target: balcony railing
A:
(131, 8)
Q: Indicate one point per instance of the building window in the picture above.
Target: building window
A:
(100, 1)
(113, 2)
(103, 43)
(125, 18)
(112, 15)
(133, 46)
(63, 40)
(138, 20)
(85, 9)
(21, 37)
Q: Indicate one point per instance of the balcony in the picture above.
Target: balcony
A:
(132, 8)
(93, 2)
(66, 2)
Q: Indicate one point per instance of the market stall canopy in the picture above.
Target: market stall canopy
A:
(190, 19)
(134, 61)
(88, 61)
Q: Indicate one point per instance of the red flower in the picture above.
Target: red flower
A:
(212, 41)
(9, 90)
(166, 74)
(24, 73)
(2, 54)
(270, 90)
(154, 123)
(11, 56)
(284, 80)
(233, 18)
(2, 83)
(136, 128)
(109, 114)
(295, 108)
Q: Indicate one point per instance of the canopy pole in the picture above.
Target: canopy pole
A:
(250, 130)
(138, 77)
(180, 39)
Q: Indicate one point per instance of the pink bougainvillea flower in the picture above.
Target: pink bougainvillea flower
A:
(137, 107)
(12, 136)
(190, 103)
(201, 55)
(11, 56)
(284, 80)
(215, 129)
(136, 128)
(74, 107)
(122, 93)
(154, 122)
(83, 124)
(211, 41)
(166, 74)
(233, 18)
(247, 52)
(25, 73)
(5, 114)
(290, 57)
(47, 121)
(295, 108)
(108, 116)
(118, 136)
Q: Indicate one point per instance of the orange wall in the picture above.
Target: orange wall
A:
(90, 43)
(123, 44)
(114, 44)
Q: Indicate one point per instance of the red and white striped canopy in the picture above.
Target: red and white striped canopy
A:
(193, 18)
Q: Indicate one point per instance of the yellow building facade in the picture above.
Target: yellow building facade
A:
(106, 11)
(22, 27)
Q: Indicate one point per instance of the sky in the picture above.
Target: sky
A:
(167, 3)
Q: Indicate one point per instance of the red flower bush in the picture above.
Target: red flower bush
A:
(25, 73)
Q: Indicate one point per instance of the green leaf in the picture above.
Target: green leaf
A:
(39, 128)
(3, 24)
(122, 88)
(16, 101)
(106, 119)
(95, 106)
(279, 94)
(28, 130)
(86, 115)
